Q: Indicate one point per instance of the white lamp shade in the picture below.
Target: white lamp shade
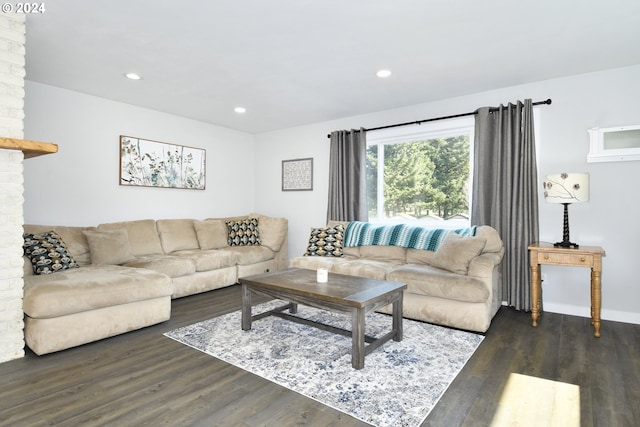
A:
(566, 188)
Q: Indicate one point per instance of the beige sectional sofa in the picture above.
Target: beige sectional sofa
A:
(457, 285)
(122, 276)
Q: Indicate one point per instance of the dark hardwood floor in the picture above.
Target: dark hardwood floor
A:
(142, 378)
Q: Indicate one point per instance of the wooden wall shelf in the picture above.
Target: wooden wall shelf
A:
(29, 148)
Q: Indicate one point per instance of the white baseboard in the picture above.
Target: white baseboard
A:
(605, 314)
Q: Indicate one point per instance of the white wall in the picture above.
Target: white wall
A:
(79, 185)
(602, 99)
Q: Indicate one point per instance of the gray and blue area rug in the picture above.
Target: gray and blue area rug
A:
(399, 385)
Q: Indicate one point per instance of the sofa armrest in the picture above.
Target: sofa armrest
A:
(482, 265)
(27, 267)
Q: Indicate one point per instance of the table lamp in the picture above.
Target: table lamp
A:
(566, 188)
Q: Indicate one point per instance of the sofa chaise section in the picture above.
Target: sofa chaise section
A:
(89, 302)
(86, 304)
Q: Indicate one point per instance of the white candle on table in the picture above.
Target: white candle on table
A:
(323, 275)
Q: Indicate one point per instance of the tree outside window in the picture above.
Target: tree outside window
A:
(424, 180)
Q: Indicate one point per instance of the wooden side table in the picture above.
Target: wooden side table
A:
(584, 256)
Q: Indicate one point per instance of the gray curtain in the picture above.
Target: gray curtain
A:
(505, 191)
(347, 176)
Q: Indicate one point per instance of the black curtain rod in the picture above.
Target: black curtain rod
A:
(473, 113)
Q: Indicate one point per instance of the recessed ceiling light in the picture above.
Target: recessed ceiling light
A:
(240, 110)
(383, 74)
(133, 76)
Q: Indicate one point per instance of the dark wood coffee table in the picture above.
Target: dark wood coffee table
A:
(350, 294)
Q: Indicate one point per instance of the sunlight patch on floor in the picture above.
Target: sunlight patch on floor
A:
(531, 401)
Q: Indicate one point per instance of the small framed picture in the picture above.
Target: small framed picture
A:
(297, 175)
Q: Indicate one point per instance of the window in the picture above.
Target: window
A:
(421, 174)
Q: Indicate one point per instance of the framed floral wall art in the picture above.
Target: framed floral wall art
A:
(147, 163)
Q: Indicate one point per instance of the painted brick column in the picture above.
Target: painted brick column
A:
(12, 73)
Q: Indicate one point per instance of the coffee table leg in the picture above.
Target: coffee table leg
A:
(357, 339)
(246, 308)
(397, 317)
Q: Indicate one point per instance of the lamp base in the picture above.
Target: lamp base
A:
(565, 232)
(566, 245)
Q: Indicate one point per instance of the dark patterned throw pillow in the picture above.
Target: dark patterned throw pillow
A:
(326, 241)
(48, 253)
(243, 232)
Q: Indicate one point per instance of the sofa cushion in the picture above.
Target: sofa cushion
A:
(172, 266)
(432, 281)
(352, 251)
(326, 241)
(89, 288)
(73, 237)
(206, 260)
(47, 252)
(316, 262)
(420, 256)
(250, 254)
(273, 231)
(243, 232)
(370, 269)
(394, 254)
(143, 236)
(177, 234)
(211, 233)
(455, 252)
(109, 247)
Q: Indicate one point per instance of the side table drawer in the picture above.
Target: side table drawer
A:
(565, 259)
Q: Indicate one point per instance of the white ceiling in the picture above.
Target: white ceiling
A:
(295, 62)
